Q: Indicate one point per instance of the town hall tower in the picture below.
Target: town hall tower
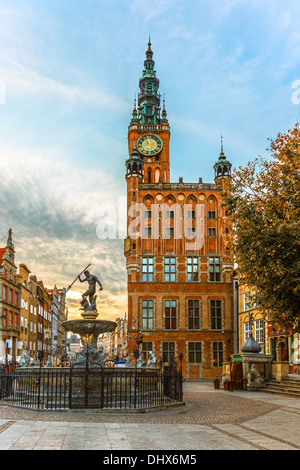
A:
(180, 279)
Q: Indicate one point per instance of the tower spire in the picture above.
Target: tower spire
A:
(149, 111)
(164, 112)
(9, 239)
(134, 112)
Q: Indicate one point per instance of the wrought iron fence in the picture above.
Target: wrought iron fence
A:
(90, 386)
(35, 388)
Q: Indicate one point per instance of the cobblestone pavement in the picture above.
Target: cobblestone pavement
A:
(210, 419)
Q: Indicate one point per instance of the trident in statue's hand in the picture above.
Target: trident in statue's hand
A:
(78, 277)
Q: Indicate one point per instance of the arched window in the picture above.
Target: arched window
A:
(157, 175)
(191, 199)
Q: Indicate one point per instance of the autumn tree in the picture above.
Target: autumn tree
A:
(263, 200)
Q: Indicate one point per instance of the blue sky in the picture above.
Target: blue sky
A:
(69, 72)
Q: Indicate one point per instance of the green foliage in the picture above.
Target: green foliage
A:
(263, 201)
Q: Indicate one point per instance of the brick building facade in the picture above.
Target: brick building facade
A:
(9, 301)
(283, 345)
(180, 280)
(30, 314)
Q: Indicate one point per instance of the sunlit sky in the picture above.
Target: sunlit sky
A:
(69, 73)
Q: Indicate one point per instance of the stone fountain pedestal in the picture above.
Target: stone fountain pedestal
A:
(250, 366)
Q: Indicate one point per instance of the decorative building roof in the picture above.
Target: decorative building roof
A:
(9, 239)
(149, 110)
(164, 112)
(8, 254)
(251, 346)
(135, 154)
(223, 166)
(134, 113)
(135, 163)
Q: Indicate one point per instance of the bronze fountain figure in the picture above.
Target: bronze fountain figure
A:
(89, 327)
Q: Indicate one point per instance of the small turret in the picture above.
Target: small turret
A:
(164, 112)
(134, 113)
(135, 164)
(223, 166)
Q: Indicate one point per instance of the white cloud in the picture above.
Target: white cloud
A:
(52, 208)
(26, 83)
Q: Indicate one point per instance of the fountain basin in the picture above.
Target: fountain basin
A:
(89, 326)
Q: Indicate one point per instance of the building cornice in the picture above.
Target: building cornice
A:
(179, 186)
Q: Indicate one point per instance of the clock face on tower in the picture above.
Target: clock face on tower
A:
(149, 144)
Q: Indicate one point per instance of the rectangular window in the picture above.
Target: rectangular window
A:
(212, 232)
(191, 214)
(148, 214)
(191, 232)
(169, 214)
(259, 331)
(169, 232)
(5, 319)
(168, 351)
(147, 346)
(194, 352)
(147, 314)
(193, 314)
(192, 269)
(217, 350)
(170, 314)
(247, 301)
(216, 314)
(147, 269)
(211, 214)
(246, 330)
(215, 269)
(148, 232)
(170, 269)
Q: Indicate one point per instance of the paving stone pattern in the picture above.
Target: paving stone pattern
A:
(210, 420)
